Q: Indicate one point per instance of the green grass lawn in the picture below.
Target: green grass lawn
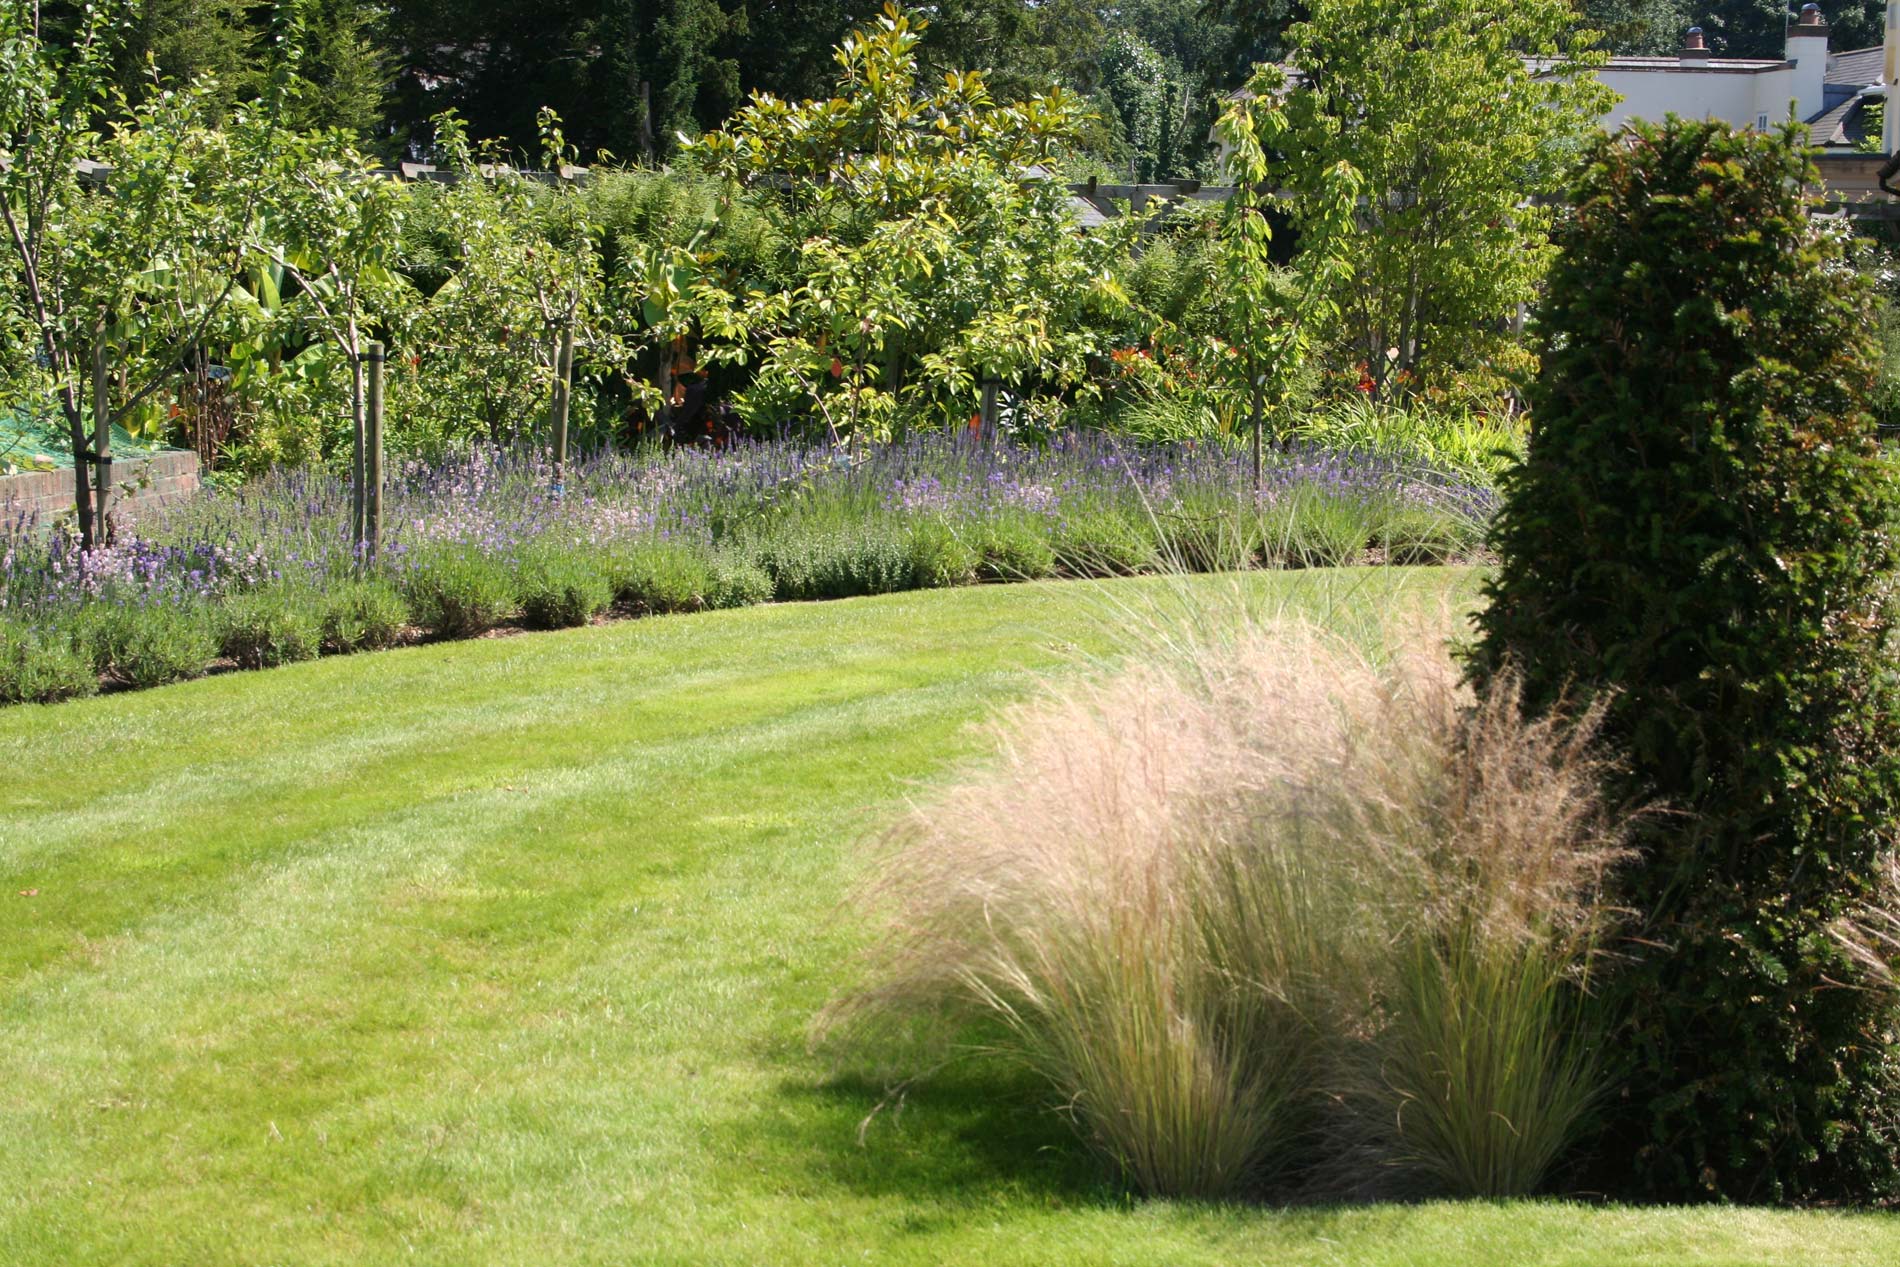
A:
(505, 952)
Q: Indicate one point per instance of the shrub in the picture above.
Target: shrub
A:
(459, 592)
(1013, 548)
(561, 589)
(149, 646)
(367, 615)
(266, 628)
(1096, 541)
(940, 557)
(1309, 529)
(1209, 534)
(737, 582)
(1416, 535)
(1702, 536)
(1271, 905)
(41, 668)
(869, 557)
(656, 578)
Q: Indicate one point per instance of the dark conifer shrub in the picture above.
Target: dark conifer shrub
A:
(1703, 531)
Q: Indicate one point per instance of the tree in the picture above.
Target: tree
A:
(346, 67)
(1454, 136)
(1272, 326)
(669, 71)
(118, 287)
(331, 228)
(930, 255)
(1701, 540)
(1653, 28)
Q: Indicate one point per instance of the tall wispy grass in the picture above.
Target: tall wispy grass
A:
(1282, 909)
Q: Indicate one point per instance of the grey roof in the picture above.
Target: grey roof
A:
(1086, 213)
(1858, 67)
(1830, 126)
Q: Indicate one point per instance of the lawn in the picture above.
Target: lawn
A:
(506, 951)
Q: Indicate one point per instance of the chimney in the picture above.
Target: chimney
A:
(1695, 49)
(1807, 49)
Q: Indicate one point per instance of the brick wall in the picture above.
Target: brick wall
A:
(160, 480)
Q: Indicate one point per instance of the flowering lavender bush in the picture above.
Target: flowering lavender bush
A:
(468, 542)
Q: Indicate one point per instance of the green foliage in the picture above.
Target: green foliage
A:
(149, 646)
(41, 668)
(1651, 28)
(139, 275)
(1273, 325)
(264, 628)
(347, 69)
(1452, 129)
(1013, 548)
(1480, 445)
(656, 578)
(459, 592)
(518, 263)
(737, 582)
(1104, 541)
(871, 556)
(365, 615)
(926, 262)
(1702, 538)
(560, 589)
(940, 556)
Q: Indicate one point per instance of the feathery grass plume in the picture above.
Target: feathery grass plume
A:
(1270, 901)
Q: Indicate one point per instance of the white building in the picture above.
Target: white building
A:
(1828, 90)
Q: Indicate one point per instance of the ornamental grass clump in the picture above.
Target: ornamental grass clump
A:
(1275, 914)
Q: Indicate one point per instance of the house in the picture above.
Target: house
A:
(1828, 90)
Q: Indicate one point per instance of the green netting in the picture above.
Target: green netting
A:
(33, 439)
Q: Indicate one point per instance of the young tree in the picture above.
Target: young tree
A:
(118, 285)
(332, 230)
(1274, 327)
(525, 272)
(1458, 115)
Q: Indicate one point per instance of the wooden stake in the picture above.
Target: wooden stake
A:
(359, 502)
(373, 456)
(563, 385)
(101, 438)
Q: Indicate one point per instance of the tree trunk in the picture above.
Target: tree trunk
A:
(101, 434)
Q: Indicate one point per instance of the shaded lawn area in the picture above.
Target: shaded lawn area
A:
(505, 952)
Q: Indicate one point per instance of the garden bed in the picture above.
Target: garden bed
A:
(266, 573)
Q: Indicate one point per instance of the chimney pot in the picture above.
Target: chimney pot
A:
(1694, 46)
(1811, 15)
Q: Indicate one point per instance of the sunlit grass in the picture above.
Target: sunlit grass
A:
(505, 952)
